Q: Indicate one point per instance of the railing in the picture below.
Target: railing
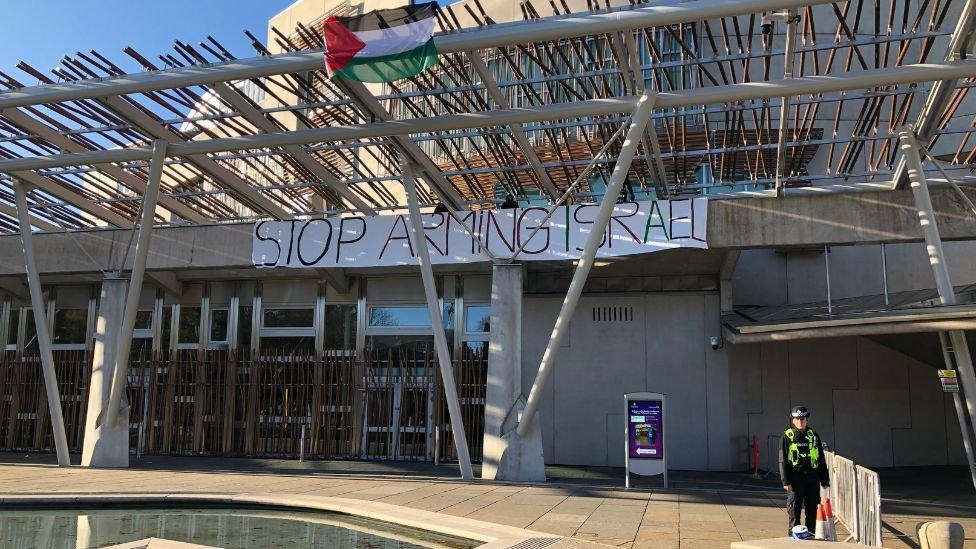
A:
(855, 495)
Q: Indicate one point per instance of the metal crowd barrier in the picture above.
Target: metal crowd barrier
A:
(868, 506)
(855, 495)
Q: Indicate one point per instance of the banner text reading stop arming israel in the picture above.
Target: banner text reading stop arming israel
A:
(386, 240)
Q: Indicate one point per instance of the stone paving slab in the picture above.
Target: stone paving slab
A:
(633, 519)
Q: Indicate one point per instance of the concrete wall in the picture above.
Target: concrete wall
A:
(870, 403)
(772, 277)
(664, 347)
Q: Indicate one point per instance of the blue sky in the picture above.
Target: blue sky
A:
(42, 31)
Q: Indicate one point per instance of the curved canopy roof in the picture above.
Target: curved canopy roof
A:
(520, 107)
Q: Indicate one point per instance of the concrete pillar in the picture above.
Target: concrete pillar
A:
(506, 455)
(106, 445)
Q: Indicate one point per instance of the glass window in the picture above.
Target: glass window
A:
(141, 349)
(409, 353)
(167, 327)
(389, 317)
(408, 316)
(244, 326)
(30, 331)
(218, 325)
(189, 325)
(70, 326)
(13, 326)
(288, 318)
(144, 320)
(288, 346)
(477, 319)
(475, 348)
(448, 315)
(340, 327)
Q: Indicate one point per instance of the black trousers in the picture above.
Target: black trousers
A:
(805, 496)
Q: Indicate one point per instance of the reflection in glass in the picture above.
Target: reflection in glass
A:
(70, 326)
(167, 327)
(399, 316)
(477, 319)
(407, 354)
(30, 332)
(144, 320)
(218, 325)
(244, 326)
(189, 325)
(340, 327)
(13, 326)
(288, 346)
(408, 316)
(288, 318)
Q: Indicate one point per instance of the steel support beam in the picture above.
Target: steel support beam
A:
(73, 198)
(241, 189)
(264, 124)
(784, 108)
(550, 28)
(638, 123)
(35, 221)
(135, 284)
(718, 95)
(933, 243)
(432, 174)
(41, 326)
(35, 127)
(518, 134)
(436, 321)
(927, 124)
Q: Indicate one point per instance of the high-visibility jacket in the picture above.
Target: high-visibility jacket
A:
(802, 451)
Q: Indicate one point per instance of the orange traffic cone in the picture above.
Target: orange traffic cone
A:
(821, 531)
(831, 525)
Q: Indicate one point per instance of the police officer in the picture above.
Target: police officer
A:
(803, 468)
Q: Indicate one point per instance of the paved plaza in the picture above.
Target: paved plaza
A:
(701, 509)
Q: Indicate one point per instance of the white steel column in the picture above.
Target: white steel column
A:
(436, 321)
(40, 324)
(135, 282)
(637, 124)
(784, 110)
(933, 244)
(959, 406)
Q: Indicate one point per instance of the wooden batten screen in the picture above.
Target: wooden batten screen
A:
(191, 402)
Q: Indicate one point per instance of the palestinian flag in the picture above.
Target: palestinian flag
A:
(382, 45)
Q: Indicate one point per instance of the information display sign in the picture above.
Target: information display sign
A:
(645, 444)
(645, 429)
(950, 383)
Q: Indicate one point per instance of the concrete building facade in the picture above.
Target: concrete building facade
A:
(230, 359)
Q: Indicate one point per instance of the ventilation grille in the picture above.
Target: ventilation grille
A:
(613, 314)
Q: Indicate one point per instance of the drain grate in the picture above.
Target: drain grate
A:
(534, 543)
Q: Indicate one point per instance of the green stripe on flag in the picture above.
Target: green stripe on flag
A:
(387, 68)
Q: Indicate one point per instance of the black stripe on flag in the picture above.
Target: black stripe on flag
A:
(385, 19)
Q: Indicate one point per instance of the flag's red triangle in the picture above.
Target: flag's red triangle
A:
(340, 44)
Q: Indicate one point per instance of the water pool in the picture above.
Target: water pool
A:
(234, 528)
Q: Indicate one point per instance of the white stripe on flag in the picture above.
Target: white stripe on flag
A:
(395, 40)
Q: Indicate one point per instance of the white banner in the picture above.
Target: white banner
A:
(385, 240)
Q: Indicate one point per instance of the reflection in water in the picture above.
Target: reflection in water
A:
(228, 528)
